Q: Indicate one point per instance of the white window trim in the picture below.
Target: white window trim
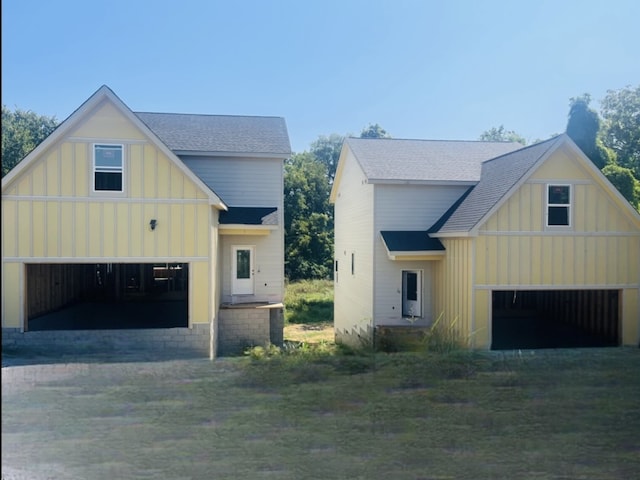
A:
(569, 206)
(108, 193)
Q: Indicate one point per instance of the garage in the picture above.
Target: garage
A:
(531, 319)
(106, 296)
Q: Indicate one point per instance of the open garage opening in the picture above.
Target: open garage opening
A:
(106, 296)
(526, 319)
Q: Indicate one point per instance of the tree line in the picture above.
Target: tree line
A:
(610, 138)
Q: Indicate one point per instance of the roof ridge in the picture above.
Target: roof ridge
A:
(208, 114)
(526, 147)
(433, 140)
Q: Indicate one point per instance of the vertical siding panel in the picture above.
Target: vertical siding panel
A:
(67, 229)
(109, 229)
(481, 267)
(601, 255)
(83, 167)
(9, 235)
(200, 288)
(162, 172)
(67, 173)
(188, 230)
(613, 259)
(568, 259)
(136, 179)
(558, 260)
(122, 230)
(177, 229)
(537, 205)
(536, 260)
(80, 232)
(136, 230)
(52, 169)
(547, 260)
(503, 259)
(524, 260)
(37, 236)
(163, 230)
(579, 260)
(177, 182)
(95, 229)
(148, 235)
(35, 184)
(524, 212)
(201, 232)
(149, 171)
(590, 258)
(52, 231)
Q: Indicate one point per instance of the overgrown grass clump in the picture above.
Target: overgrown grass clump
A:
(309, 301)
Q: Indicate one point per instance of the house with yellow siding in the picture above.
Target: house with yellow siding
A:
(507, 246)
(136, 230)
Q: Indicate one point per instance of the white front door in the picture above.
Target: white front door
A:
(411, 293)
(242, 270)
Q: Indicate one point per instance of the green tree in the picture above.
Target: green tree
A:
(22, 131)
(499, 134)
(620, 110)
(374, 131)
(622, 178)
(326, 150)
(308, 218)
(583, 128)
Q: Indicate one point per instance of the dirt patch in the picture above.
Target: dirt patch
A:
(310, 332)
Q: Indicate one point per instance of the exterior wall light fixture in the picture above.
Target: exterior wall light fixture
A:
(153, 223)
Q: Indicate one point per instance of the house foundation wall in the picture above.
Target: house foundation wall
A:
(240, 328)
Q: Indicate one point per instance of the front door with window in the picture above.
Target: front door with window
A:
(411, 293)
(242, 270)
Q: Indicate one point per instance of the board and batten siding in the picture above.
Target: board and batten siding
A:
(453, 290)
(50, 215)
(514, 250)
(354, 234)
(406, 207)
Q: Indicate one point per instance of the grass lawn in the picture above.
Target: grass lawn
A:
(319, 413)
(309, 311)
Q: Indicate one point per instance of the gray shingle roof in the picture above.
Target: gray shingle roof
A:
(220, 133)
(385, 159)
(498, 176)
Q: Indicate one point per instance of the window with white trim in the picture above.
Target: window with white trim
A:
(558, 205)
(108, 168)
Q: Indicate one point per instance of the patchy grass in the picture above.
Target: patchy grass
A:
(324, 412)
(309, 302)
(309, 332)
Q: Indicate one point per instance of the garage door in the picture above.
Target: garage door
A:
(523, 319)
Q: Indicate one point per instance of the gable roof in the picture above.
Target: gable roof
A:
(385, 160)
(499, 176)
(104, 93)
(220, 134)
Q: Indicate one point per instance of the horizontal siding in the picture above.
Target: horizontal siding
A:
(268, 265)
(353, 293)
(412, 207)
(241, 181)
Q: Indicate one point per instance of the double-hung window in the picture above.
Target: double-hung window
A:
(558, 205)
(108, 168)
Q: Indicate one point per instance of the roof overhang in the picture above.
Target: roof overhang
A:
(198, 153)
(248, 221)
(412, 245)
(385, 181)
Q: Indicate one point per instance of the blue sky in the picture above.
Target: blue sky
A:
(419, 68)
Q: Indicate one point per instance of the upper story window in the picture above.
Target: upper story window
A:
(108, 168)
(558, 205)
